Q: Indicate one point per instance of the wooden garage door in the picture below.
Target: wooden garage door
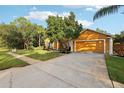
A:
(94, 46)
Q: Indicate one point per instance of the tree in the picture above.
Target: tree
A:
(101, 31)
(39, 31)
(119, 38)
(55, 28)
(71, 29)
(106, 11)
(21, 33)
(2, 33)
(1, 42)
(122, 33)
(10, 36)
(26, 29)
(63, 29)
(13, 39)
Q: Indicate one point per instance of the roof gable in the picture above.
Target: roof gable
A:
(91, 35)
(95, 32)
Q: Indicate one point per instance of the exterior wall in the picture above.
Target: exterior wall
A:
(56, 45)
(96, 46)
(89, 41)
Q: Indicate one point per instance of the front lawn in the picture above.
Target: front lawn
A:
(39, 54)
(8, 61)
(115, 66)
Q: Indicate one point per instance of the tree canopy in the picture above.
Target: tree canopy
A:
(106, 11)
(66, 28)
(63, 29)
(101, 31)
(119, 38)
(21, 33)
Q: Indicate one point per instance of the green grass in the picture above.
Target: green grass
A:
(115, 67)
(39, 54)
(8, 61)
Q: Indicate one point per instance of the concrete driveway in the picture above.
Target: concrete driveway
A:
(71, 70)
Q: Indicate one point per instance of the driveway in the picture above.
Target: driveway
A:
(71, 70)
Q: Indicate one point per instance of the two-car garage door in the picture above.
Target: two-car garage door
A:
(93, 46)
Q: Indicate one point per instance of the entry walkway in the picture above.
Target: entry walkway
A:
(24, 58)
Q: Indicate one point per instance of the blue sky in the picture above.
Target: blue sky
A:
(84, 14)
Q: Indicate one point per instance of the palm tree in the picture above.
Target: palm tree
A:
(106, 11)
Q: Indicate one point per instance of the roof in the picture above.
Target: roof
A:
(95, 31)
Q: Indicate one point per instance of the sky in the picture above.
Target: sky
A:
(84, 14)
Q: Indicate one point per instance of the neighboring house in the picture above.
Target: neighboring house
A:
(90, 40)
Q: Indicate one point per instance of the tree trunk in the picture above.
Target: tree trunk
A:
(39, 40)
(26, 44)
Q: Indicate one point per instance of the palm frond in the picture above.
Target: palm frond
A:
(106, 11)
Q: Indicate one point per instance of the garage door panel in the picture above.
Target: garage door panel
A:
(94, 46)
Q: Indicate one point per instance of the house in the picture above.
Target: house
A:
(90, 40)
